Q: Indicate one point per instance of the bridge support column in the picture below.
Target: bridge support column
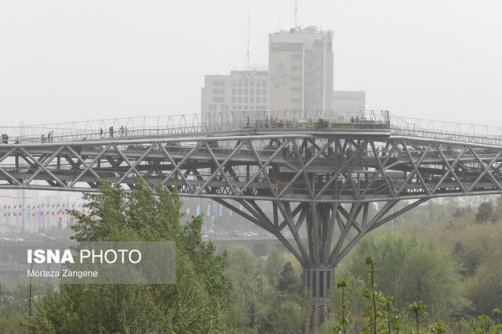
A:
(322, 235)
(319, 280)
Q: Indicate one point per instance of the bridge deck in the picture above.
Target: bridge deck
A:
(239, 123)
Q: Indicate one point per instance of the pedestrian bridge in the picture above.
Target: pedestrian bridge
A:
(332, 177)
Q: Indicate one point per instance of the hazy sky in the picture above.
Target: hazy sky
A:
(77, 60)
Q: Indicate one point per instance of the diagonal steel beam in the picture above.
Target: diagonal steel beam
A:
(87, 167)
(335, 258)
(288, 216)
(299, 208)
(123, 156)
(178, 166)
(301, 170)
(415, 169)
(136, 163)
(261, 169)
(44, 164)
(268, 228)
(450, 169)
(397, 214)
(219, 168)
(331, 227)
(5, 156)
(348, 225)
(334, 177)
(381, 171)
(173, 163)
(486, 169)
(61, 183)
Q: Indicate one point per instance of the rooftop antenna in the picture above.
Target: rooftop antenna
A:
(249, 25)
(296, 13)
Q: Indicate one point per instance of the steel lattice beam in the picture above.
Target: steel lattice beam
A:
(318, 186)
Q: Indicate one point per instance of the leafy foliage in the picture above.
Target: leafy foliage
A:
(196, 304)
(485, 212)
(410, 271)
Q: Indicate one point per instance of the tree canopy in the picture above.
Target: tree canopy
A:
(197, 303)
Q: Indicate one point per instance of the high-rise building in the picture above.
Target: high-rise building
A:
(348, 104)
(300, 65)
(348, 101)
(240, 95)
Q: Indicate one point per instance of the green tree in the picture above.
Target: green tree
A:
(497, 214)
(410, 271)
(485, 212)
(288, 317)
(438, 328)
(288, 281)
(343, 318)
(274, 265)
(484, 289)
(197, 303)
(417, 309)
(247, 283)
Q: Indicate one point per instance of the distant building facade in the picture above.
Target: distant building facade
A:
(240, 94)
(347, 104)
(300, 65)
(297, 85)
(348, 101)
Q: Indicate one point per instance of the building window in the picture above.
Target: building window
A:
(219, 83)
(251, 99)
(251, 92)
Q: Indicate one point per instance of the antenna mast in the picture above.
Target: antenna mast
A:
(296, 13)
(249, 25)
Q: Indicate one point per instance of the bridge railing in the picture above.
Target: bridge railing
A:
(217, 122)
(161, 126)
(446, 130)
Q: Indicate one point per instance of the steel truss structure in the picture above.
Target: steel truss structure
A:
(327, 188)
